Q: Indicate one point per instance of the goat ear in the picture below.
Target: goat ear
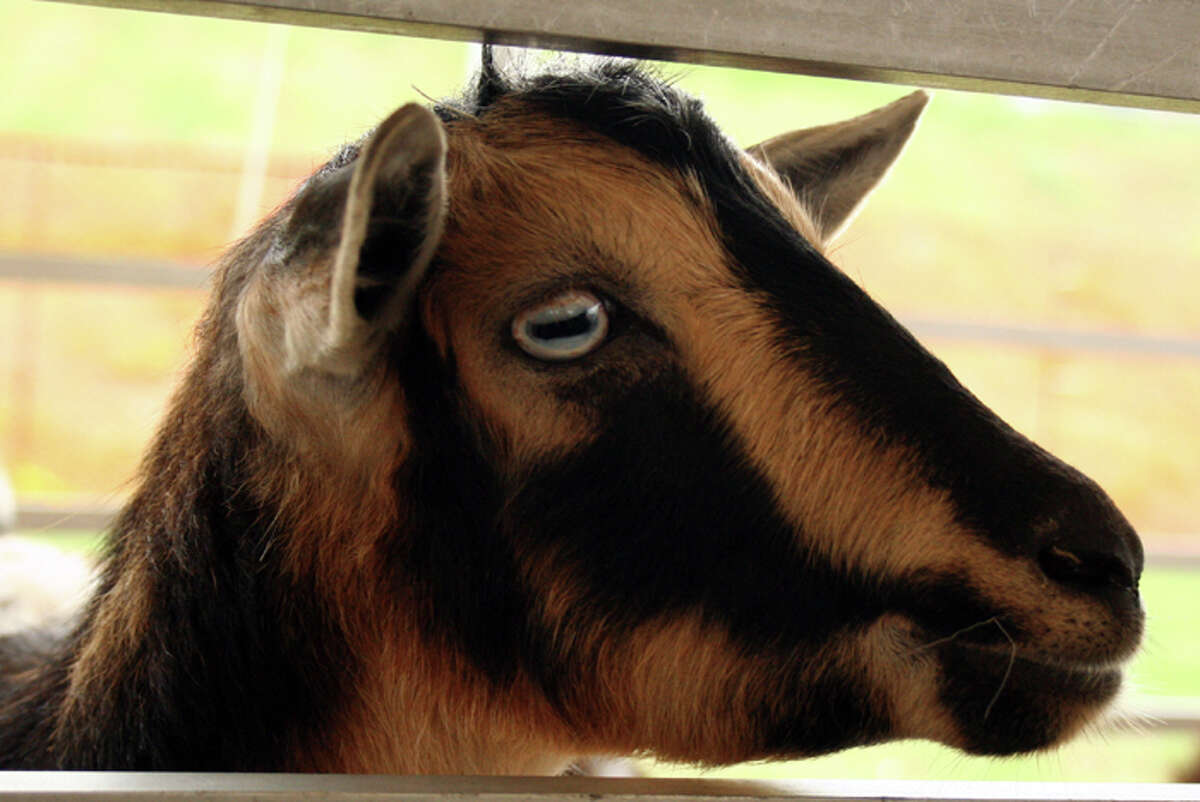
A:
(832, 168)
(392, 221)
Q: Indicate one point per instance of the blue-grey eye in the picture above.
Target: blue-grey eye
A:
(565, 327)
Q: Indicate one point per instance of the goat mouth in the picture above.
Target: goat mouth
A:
(1103, 642)
(1006, 702)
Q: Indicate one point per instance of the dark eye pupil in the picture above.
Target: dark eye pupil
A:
(559, 329)
(568, 326)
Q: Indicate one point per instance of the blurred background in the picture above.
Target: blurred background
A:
(1049, 252)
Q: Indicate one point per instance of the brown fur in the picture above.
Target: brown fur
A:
(853, 494)
(301, 408)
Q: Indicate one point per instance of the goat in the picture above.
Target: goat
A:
(538, 426)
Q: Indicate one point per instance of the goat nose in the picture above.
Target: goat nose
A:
(1093, 549)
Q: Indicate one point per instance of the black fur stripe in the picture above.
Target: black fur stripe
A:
(660, 515)
(1000, 481)
(459, 569)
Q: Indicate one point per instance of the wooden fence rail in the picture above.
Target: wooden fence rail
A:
(103, 787)
(172, 275)
(98, 270)
(59, 517)
(1150, 713)
(1129, 52)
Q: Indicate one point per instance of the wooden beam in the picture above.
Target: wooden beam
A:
(63, 517)
(98, 270)
(54, 518)
(1118, 52)
(36, 267)
(105, 786)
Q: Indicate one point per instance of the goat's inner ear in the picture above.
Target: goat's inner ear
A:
(392, 223)
(832, 168)
(404, 223)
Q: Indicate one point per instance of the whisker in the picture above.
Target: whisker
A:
(1012, 658)
(993, 620)
(1012, 654)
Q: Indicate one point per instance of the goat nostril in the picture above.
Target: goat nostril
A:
(1086, 570)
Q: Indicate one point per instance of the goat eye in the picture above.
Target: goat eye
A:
(566, 327)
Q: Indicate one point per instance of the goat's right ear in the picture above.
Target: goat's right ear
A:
(391, 224)
(832, 168)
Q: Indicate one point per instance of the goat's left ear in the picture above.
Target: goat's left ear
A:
(832, 168)
(393, 218)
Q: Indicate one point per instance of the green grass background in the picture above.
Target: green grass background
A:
(1003, 210)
